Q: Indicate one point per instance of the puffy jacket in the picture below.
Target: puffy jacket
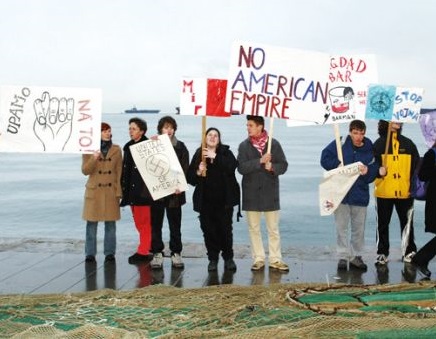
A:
(400, 162)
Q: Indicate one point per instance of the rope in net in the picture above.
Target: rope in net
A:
(229, 311)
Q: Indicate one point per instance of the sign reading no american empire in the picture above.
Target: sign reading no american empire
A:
(277, 82)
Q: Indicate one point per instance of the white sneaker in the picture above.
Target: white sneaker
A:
(176, 260)
(157, 261)
(409, 256)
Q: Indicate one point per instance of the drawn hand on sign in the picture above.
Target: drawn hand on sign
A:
(53, 121)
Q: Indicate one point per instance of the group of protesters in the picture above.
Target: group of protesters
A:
(115, 181)
(390, 162)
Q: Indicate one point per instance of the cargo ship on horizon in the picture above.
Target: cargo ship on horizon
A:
(135, 110)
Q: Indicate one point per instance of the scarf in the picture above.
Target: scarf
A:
(260, 141)
(104, 147)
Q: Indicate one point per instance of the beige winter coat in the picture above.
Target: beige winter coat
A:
(103, 188)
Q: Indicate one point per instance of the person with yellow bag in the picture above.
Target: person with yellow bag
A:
(399, 156)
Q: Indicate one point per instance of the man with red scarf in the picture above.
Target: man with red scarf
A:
(260, 171)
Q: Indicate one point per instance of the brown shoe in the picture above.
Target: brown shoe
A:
(280, 266)
(258, 265)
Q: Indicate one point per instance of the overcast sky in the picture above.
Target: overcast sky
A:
(137, 51)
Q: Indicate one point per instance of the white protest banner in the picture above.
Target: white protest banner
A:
(201, 96)
(349, 78)
(50, 119)
(335, 185)
(277, 82)
(159, 166)
(393, 103)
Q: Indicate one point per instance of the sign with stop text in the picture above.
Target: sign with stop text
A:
(394, 103)
(50, 119)
(277, 82)
(159, 166)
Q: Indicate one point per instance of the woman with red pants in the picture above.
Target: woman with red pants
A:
(136, 194)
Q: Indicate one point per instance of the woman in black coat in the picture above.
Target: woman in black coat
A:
(215, 195)
(428, 173)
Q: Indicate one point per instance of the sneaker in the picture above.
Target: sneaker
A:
(213, 266)
(258, 265)
(138, 258)
(358, 263)
(176, 261)
(408, 257)
(157, 261)
(280, 266)
(90, 258)
(381, 260)
(229, 265)
(342, 265)
(109, 258)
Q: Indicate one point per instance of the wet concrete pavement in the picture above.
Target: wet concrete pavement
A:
(25, 272)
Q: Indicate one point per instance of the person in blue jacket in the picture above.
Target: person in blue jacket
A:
(352, 210)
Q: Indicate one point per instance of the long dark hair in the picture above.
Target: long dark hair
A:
(383, 126)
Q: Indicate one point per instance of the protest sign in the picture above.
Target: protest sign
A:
(277, 82)
(335, 185)
(393, 103)
(159, 166)
(349, 78)
(427, 122)
(205, 97)
(50, 119)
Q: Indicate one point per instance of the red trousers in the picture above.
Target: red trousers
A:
(142, 219)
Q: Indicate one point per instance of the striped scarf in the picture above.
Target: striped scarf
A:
(260, 141)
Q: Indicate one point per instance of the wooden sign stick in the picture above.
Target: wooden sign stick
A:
(203, 143)
(338, 144)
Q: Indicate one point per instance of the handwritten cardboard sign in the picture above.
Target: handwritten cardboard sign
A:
(277, 82)
(394, 103)
(201, 96)
(159, 166)
(50, 119)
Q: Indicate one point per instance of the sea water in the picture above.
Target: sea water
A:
(41, 195)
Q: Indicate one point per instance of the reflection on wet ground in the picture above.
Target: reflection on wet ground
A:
(36, 273)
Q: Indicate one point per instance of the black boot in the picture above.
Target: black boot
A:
(213, 266)
(229, 265)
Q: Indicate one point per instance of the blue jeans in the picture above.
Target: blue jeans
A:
(110, 238)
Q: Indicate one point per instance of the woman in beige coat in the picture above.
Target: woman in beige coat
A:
(102, 194)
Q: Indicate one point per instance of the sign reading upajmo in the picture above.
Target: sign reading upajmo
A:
(50, 119)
